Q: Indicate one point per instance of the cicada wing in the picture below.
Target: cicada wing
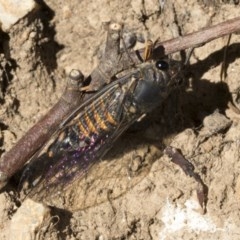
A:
(39, 156)
(78, 178)
(86, 180)
(44, 166)
(85, 184)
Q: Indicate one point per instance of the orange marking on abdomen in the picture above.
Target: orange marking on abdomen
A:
(110, 118)
(61, 136)
(90, 124)
(99, 121)
(83, 129)
(97, 116)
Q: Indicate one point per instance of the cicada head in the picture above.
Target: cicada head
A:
(157, 81)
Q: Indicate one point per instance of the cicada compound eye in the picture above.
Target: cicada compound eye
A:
(162, 65)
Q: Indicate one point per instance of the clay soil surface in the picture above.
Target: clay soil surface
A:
(161, 203)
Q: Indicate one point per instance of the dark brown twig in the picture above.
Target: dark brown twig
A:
(13, 160)
(188, 168)
(200, 37)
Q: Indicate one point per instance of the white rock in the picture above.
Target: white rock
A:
(12, 11)
(29, 218)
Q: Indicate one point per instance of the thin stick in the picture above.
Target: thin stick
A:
(198, 38)
(188, 168)
(191, 40)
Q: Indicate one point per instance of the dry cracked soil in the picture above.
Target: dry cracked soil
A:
(38, 52)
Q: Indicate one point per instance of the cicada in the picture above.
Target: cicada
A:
(71, 155)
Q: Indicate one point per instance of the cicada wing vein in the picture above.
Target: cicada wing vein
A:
(77, 179)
